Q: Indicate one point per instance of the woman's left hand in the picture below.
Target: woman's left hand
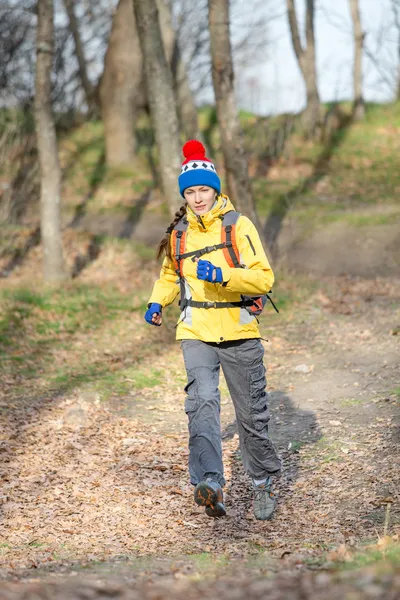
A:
(208, 272)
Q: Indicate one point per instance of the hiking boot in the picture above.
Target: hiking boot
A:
(264, 500)
(209, 493)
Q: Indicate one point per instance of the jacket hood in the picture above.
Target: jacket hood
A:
(222, 206)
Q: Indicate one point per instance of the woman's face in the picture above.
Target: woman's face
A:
(200, 198)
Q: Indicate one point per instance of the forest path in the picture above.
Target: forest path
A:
(101, 488)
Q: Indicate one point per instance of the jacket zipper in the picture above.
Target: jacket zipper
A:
(251, 244)
(201, 221)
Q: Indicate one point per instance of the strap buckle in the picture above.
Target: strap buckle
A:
(205, 250)
(208, 305)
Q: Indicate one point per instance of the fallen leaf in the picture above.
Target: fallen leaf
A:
(188, 524)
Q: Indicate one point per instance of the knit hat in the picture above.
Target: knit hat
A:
(197, 169)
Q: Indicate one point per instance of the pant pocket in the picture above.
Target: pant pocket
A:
(259, 399)
(257, 381)
(191, 400)
(260, 413)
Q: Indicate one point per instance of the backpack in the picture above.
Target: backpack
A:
(253, 304)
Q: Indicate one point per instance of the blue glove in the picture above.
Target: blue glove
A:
(153, 308)
(206, 270)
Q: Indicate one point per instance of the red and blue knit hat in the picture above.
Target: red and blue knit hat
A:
(197, 169)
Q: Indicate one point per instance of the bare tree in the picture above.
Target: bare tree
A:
(54, 269)
(248, 36)
(307, 62)
(235, 160)
(119, 86)
(358, 106)
(89, 90)
(161, 98)
(17, 51)
(187, 112)
(194, 40)
(396, 12)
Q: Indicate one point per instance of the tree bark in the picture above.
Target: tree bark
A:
(187, 112)
(238, 183)
(54, 268)
(89, 90)
(161, 99)
(119, 87)
(358, 105)
(396, 11)
(398, 69)
(306, 59)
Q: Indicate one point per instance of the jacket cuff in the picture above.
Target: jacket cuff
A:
(226, 275)
(152, 301)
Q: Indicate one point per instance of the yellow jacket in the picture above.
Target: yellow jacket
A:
(217, 324)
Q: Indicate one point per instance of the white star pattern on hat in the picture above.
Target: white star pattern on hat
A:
(198, 164)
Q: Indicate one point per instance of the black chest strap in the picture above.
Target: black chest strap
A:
(189, 302)
(202, 251)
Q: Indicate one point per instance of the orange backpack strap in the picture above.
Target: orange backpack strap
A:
(178, 244)
(228, 238)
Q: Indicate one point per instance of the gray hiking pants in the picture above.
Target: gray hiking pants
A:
(243, 367)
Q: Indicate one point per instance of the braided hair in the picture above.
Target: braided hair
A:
(164, 245)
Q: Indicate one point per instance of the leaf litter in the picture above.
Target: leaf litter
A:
(86, 481)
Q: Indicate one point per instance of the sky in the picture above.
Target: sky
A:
(270, 82)
(273, 83)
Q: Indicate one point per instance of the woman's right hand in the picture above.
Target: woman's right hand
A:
(154, 314)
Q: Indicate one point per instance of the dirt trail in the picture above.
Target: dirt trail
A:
(101, 489)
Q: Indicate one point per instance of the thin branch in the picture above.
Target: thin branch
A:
(384, 78)
(291, 10)
(310, 23)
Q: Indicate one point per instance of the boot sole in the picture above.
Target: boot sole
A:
(205, 495)
(216, 511)
(268, 517)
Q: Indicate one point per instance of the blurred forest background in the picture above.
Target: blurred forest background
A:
(298, 103)
(97, 98)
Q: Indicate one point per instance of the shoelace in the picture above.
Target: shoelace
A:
(262, 489)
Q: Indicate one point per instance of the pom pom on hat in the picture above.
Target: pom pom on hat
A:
(193, 148)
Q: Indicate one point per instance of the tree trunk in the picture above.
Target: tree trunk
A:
(239, 188)
(54, 269)
(396, 11)
(358, 106)
(398, 70)
(307, 62)
(89, 90)
(161, 99)
(187, 112)
(119, 86)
